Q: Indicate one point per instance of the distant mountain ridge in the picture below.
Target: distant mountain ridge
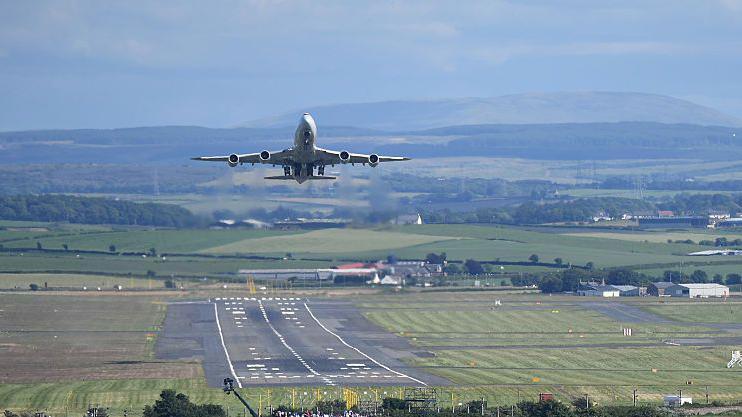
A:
(530, 108)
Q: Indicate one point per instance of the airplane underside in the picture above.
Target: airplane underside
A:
(301, 173)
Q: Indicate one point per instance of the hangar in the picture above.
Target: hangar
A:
(697, 290)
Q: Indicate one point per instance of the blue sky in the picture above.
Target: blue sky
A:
(75, 64)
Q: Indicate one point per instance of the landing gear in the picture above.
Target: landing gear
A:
(287, 170)
(321, 170)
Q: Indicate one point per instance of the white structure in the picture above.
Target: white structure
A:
(607, 291)
(677, 401)
(736, 359)
(697, 290)
(391, 280)
(408, 219)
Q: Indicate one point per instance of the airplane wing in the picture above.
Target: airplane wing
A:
(264, 157)
(330, 157)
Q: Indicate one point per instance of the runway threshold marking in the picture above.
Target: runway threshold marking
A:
(358, 350)
(226, 353)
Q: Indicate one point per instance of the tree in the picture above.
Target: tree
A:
(718, 279)
(452, 269)
(434, 258)
(112, 248)
(171, 404)
(391, 403)
(721, 241)
(550, 284)
(38, 245)
(698, 276)
(391, 259)
(65, 247)
(473, 267)
(590, 266)
(558, 261)
(152, 251)
(542, 409)
(533, 258)
(734, 279)
(33, 287)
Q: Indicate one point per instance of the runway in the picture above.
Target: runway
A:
(279, 341)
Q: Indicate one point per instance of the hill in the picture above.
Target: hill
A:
(533, 108)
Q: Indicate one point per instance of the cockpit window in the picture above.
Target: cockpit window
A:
(307, 134)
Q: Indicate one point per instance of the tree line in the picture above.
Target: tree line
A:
(93, 210)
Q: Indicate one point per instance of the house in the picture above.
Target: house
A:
(658, 289)
(697, 290)
(598, 290)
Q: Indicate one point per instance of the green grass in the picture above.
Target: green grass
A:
(590, 366)
(181, 266)
(560, 340)
(177, 241)
(330, 241)
(71, 280)
(703, 312)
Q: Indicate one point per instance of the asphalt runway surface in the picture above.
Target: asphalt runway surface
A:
(267, 341)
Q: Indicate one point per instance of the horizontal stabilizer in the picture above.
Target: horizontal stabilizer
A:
(289, 177)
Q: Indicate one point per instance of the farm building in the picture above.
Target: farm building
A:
(598, 291)
(697, 290)
(629, 290)
(658, 289)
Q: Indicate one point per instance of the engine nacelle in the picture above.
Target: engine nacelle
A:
(344, 157)
(373, 159)
(265, 155)
(233, 160)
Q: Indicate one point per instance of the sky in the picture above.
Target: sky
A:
(93, 64)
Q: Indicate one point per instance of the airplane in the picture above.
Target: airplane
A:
(300, 161)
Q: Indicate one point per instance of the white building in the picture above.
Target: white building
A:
(607, 291)
(677, 401)
(697, 290)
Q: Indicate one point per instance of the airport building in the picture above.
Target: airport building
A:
(659, 289)
(630, 290)
(320, 274)
(590, 290)
(697, 290)
(673, 221)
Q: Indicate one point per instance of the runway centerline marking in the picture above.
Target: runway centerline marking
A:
(358, 350)
(283, 341)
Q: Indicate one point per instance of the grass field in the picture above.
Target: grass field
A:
(660, 237)
(705, 312)
(330, 241)
(22, 281)
(460, 242)
(561, 341)
(50, 337)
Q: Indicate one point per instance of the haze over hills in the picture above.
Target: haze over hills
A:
(531, 108)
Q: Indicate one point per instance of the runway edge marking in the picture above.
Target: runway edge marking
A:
(221, 338)
(358, 350)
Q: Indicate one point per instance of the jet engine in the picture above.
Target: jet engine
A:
(265, 155)
(233, 160)
(373, 159)
(344, 157)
